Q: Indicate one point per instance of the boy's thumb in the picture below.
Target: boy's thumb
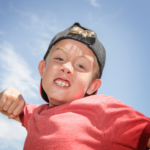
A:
(12, 116)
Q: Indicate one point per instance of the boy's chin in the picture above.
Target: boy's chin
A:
(60, 100)
(56, 102)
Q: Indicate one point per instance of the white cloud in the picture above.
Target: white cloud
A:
(43, 28)
(16, 72)
(94, 3)
(12, 134)
(38, 24)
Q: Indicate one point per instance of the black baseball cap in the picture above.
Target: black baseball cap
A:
(92, 42)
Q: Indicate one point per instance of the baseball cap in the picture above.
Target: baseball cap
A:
(92, 42)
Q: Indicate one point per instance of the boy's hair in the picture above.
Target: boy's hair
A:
(85, 36)
(85, 33)
(78, 30)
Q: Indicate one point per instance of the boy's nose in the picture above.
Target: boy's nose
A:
(67, 68)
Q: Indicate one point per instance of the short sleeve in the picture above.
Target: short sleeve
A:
(27, 112)
(125, 126)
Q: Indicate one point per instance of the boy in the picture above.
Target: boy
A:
(75, 117)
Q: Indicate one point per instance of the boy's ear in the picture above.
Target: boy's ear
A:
(94, 86)
(41, 67)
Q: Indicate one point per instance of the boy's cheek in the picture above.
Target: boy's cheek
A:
(85, 79)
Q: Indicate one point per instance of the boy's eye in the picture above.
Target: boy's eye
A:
(59, 59)
(80, 66)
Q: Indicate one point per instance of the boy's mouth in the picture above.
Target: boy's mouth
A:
(62, 82)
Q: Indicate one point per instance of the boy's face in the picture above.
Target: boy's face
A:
(67, 73)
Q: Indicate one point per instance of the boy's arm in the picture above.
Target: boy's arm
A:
(11, 103)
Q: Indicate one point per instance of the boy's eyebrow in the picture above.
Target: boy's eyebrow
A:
(61, 48)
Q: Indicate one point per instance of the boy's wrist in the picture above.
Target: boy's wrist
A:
(1, 109)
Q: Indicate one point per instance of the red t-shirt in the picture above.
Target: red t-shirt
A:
(96, 122)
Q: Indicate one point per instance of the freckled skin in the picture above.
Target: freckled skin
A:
(70, 60)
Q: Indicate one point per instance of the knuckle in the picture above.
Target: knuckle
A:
(10, 89)
(11, 97)
(8, 103)
(16, 113)
(10, 111)
(19, 98)
(5, 108)
(2, 103)
(21, 104)
(5, 94)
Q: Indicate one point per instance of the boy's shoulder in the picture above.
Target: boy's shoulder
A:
(101, 99)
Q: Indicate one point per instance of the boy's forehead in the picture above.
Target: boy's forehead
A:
(71, 46)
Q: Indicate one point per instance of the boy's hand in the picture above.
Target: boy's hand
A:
(11, 103)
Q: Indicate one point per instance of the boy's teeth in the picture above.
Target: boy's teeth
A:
(61, 83)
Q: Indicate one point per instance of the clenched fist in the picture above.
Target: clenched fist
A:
(11, 103)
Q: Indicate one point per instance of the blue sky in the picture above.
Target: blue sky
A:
(27, 27)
